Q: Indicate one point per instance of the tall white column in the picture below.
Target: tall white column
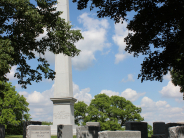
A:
(63, 101)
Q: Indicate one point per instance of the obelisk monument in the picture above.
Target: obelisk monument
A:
(63, 101)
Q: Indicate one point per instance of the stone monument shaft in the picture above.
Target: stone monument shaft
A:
(63, 86)
(63, 101)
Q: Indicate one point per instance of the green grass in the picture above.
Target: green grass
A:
(21, 136)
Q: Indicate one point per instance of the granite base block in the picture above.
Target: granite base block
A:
(64, 131)
(119, 134)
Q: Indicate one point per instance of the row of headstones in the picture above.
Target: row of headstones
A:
(92, 130)
(35, 129)
(133, 130)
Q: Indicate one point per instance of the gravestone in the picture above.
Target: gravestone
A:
(119, 134)
(2, 131)
(158, 128)
(89, 131)
(168, 125)
(64, 131)
(139, 126)
(176, 132)
(27, 123)
(38, 131)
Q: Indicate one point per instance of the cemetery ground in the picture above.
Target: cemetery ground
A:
(43, 123)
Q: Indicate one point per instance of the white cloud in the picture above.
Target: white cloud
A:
(82, 95)
(131, 95)
(120, 33)
(109, 92)
(167, 76)
(11, 74)
(130, 78)
(128, 94)
(94, 32)
(172, 91)
(41, 107)
(159, 111)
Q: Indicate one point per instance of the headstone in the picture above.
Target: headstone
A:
(38, 131)
(2, 131)
(27, 123)
(139, 126)
(119, 134)
(176, 132)
(158, 128)
(168, 125)
(89, 131)
(64, 131)
(158, 136)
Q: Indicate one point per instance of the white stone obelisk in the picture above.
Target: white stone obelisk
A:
(63, 101)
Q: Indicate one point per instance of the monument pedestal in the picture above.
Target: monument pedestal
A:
(63, 113)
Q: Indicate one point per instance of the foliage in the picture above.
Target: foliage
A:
(80, 109)
(46, 123)
(156, 25)
(112, 112)
(177, 78)
(21, 23)
(150, 130)
(12, 106)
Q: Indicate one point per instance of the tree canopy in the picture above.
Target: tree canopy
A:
(158, 31)
(12, 106)
(112, 112)
(21, 23)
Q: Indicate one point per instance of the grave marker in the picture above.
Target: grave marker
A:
(38, 131)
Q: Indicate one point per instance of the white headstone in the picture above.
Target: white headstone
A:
(63, 101)
(38, 131)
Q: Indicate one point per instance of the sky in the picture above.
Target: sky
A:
(103, 66)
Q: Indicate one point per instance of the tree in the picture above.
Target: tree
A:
(177, 78)
(150, 130)
(112, 112)
(12, 106)
(80, 109)
(21, 23)
(157, 25)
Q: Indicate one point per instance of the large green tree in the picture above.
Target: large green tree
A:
(20, 24)
(158, 27)
(12, 106)
(112, 112)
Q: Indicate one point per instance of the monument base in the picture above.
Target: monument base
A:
(63, 113)
(54, 130)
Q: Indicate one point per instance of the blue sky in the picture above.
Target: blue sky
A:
(104, 67)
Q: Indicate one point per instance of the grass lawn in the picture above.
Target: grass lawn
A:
(21, 136)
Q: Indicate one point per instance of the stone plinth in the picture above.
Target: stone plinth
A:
(139, 126)
(89, 131)
(119, 134)
(168, 125)
(63, 112)
(64, 131)
(158, 128)
(27, 123)
(2, 131)
(176, 132)
(38, 131)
